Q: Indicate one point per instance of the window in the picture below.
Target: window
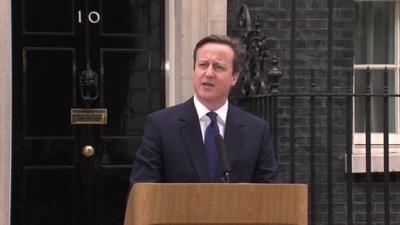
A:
(377, 47)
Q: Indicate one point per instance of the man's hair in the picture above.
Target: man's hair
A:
(221, 39)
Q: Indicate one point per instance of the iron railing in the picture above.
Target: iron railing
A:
(269, 106)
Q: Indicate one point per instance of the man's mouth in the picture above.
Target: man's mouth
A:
(207, 84)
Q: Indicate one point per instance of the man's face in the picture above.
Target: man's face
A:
(213, 74)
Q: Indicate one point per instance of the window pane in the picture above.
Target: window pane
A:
(374, 32)
(376, 101)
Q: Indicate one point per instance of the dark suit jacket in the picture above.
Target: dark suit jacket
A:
(172, 148)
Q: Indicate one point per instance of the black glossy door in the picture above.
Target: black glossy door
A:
(54, 42)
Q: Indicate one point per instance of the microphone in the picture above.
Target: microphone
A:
(226, 168)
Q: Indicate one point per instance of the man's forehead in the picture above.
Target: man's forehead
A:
(212, 58)
(216, 45)
(219, 52)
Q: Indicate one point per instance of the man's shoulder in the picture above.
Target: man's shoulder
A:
(176, 110)
(246, 116)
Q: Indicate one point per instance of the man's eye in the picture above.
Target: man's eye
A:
(219, 67)
(203, 65)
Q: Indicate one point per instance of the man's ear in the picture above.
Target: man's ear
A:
(235, 78)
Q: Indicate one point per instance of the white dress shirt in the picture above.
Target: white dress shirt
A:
(205, 120)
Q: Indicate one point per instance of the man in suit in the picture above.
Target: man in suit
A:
(176, 141)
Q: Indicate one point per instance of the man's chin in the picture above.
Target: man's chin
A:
(209, 99)
(206, 96)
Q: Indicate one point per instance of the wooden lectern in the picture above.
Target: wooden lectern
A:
(183, 204)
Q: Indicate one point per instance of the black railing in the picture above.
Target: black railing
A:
(323, 198)
(314, 129)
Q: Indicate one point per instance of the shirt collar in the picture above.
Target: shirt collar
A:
(202, 110)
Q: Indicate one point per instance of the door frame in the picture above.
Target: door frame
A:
(184, 24)
(5, 110)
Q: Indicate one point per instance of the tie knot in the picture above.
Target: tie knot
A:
(212, 116)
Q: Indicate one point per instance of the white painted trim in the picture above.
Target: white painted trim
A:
(11, 117)
(374, 66)
(359, 161)
(5, 111)
(170, 31)
(376, 138)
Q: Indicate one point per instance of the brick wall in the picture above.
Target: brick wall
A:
(330, 54)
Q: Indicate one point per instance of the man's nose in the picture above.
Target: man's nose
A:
(209, 71)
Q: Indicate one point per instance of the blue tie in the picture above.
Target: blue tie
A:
(209, 142)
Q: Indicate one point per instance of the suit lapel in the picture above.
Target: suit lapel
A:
(191, 133)
(233, 136)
